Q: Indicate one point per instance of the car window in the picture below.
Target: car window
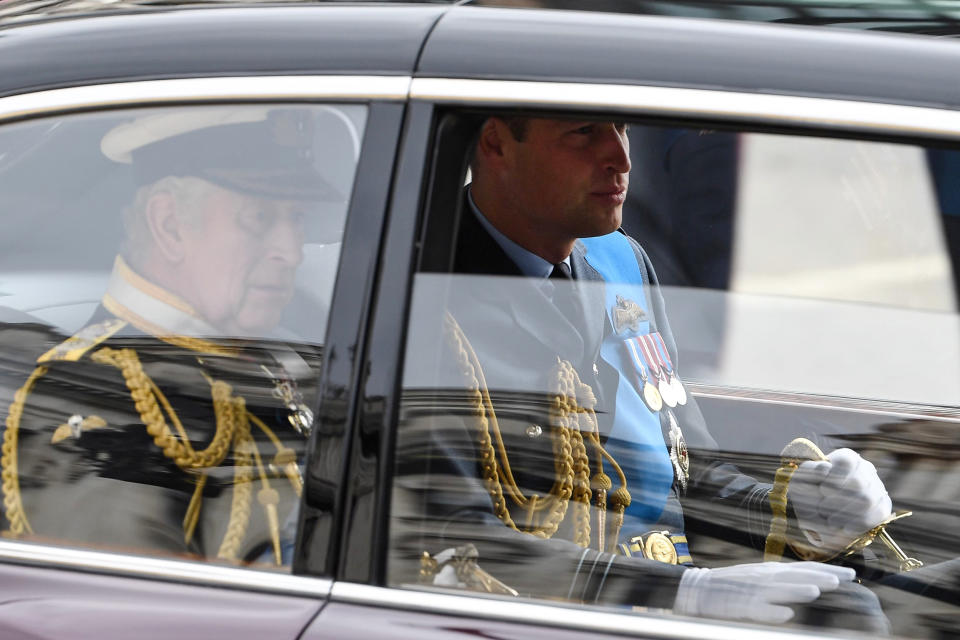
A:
(856, 237)
(166, 279)
(765, 373)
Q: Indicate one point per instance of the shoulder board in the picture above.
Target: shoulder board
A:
(74, 347)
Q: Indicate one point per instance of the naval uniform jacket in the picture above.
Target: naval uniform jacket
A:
(79, 465)
(518, 334)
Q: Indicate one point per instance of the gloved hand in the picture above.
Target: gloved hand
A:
(757, 592)
(838, 499)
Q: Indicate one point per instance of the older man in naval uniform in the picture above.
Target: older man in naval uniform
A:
(583, 497)
(175, 421)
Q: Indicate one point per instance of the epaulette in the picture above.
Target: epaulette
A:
(74, 347)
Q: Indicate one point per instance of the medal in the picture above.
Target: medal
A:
(676, 386)
(299, 414)
(652, 357)
(679, 455)
(627, 315)
(651, 397)
(666, 392)
(678, 390)
(667, 379)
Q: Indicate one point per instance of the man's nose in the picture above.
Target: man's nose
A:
(616, 149)
(284, 241)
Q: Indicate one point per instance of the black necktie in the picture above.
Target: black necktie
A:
(562, 271)
(564, 293)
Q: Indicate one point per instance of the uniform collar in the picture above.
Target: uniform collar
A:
(150, 308)
(530, 264)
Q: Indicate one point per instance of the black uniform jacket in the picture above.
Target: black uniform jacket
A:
(132, 442)
(518, 335)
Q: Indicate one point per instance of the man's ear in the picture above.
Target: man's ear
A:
(165, 226)
(493, 145)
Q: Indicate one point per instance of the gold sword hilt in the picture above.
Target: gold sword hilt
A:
(464, 561)
(906, 562)
(800, 450)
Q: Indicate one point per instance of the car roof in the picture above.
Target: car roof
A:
(932, 17)
(437, 39)
(219, 41)
(519, 44)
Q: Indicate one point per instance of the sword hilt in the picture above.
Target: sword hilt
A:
(800, 450)
(906, 562)
(464, 561)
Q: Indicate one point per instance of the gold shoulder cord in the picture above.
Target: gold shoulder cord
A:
(11, 478)
(232, 429)
(573, 419)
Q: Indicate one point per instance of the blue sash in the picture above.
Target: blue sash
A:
(635, 440)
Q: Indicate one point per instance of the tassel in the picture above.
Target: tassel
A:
(269, 499)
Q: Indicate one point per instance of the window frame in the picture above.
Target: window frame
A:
(421, 193)
(385, 97)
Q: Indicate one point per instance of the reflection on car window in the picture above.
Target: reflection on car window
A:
(573, 429)
(799, 231)
(163, 321)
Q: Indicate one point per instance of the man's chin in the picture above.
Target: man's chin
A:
(247, 326)
(603, 223)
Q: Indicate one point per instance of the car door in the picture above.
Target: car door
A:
(63, 213)
(828, 221)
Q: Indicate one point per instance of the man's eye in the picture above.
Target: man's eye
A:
(255, 220)
(586, 129)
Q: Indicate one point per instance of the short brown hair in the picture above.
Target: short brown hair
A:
(518, 126)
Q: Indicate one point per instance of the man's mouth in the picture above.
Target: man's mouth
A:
(615, 195)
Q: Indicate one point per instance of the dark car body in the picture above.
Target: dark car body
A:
(418, 68)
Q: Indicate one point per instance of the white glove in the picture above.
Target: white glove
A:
(447, 576)
(838, 499)
(757, 592)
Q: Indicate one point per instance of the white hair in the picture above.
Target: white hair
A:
(188, 194)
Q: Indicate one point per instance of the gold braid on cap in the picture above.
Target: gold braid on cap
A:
(573, 417)
(232, 430)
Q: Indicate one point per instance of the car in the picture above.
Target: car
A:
(795, 179)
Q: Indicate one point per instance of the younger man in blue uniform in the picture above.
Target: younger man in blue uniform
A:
(623, 447)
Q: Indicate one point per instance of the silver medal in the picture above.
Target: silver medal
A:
(666, 392)
(678, 391)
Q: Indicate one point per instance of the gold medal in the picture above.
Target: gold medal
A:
(651, 397)
(656, 370)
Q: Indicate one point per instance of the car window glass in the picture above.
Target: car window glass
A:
(856, 237)
(166, 279)
(612, 429)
